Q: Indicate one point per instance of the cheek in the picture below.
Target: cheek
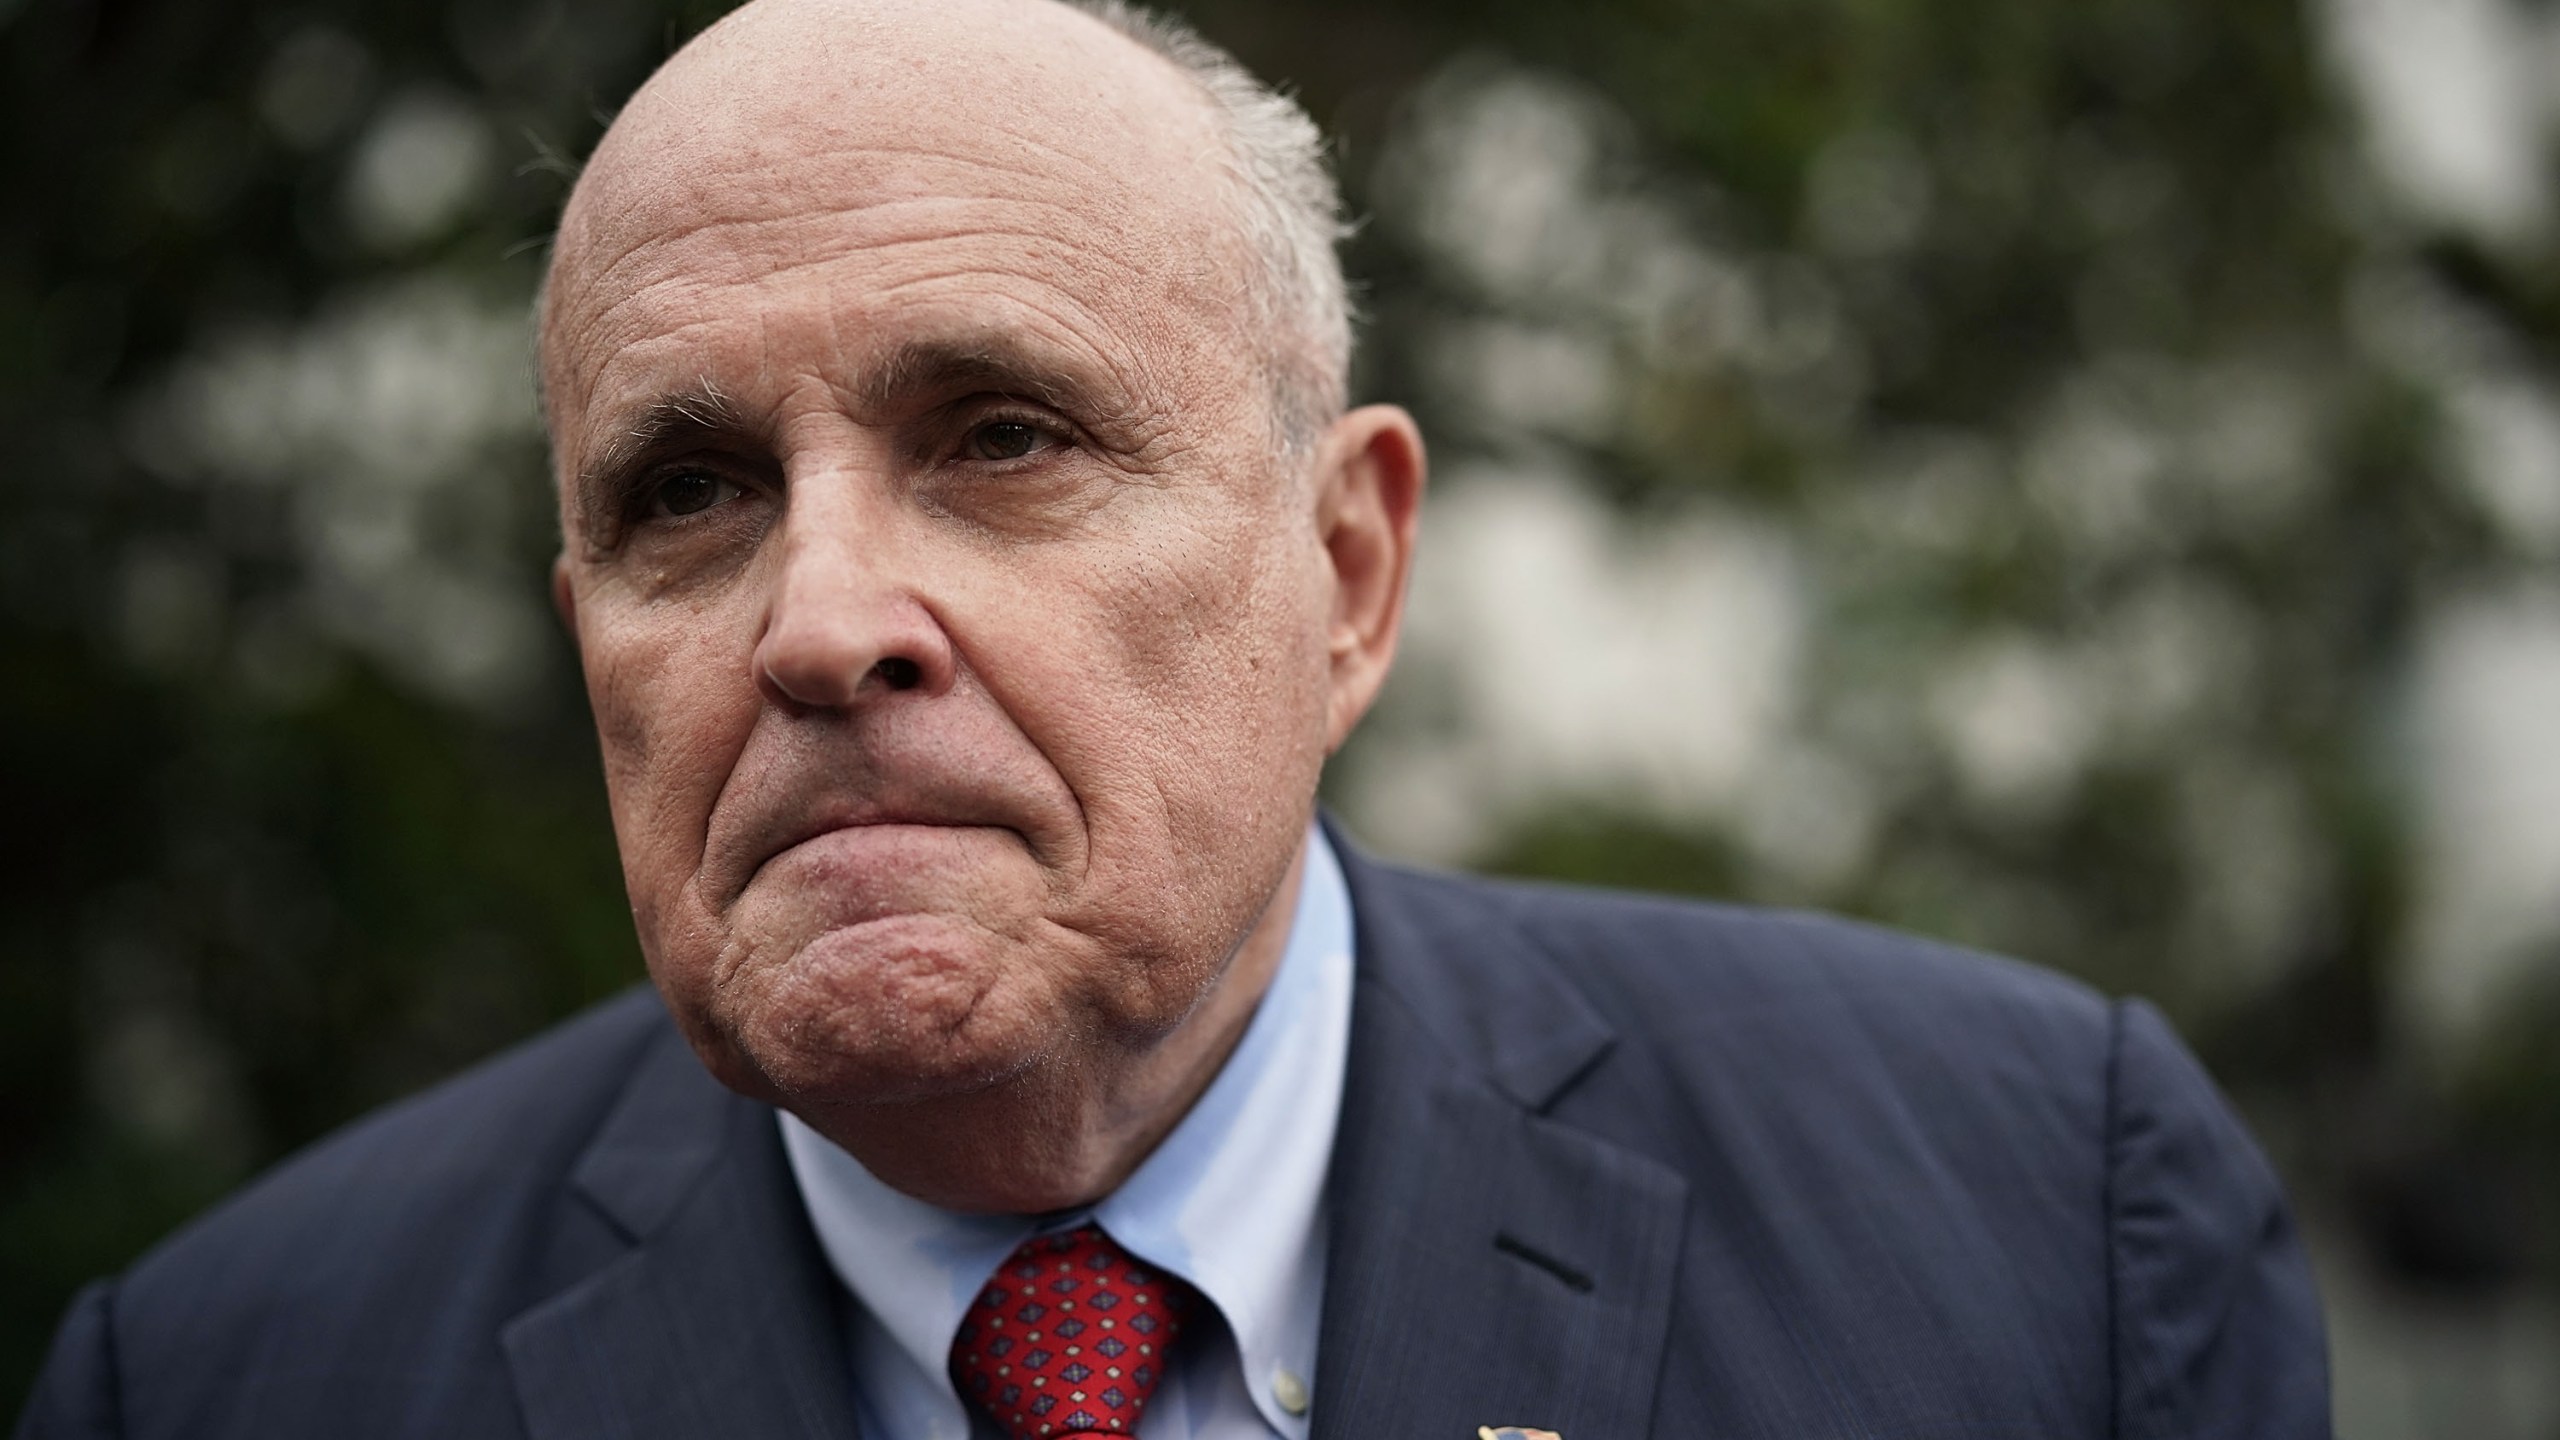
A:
(1225, 666)
(674, 700)
(1178, 688)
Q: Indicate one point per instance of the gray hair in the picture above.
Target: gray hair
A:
(1291, 214)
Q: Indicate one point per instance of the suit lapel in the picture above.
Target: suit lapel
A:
(722, 1318)
(1487, 1265)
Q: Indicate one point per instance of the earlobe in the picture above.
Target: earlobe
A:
(564, 600)
(1371, 480)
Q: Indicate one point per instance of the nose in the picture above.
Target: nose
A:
(840, 630)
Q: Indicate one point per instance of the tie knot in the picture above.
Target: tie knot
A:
(1069, 1337)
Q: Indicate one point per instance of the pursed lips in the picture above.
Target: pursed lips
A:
(837, 816)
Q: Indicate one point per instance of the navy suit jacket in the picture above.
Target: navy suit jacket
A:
(1608, 1166)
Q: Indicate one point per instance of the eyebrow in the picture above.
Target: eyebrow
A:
(931, 368)
(668, 425)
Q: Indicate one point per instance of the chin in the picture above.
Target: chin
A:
(885, 1011)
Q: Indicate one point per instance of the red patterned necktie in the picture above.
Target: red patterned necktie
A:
(1068, 1338)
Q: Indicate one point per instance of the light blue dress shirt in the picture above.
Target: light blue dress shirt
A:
(1232, 1201)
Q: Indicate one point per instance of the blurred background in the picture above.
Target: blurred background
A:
(2077, 477)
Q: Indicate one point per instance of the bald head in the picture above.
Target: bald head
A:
(1207, 188)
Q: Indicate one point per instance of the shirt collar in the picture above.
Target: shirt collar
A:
(1231, 1201)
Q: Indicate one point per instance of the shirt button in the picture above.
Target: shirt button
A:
(1289, 1390)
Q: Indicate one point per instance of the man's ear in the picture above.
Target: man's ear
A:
(1370, 471)
(564, 600)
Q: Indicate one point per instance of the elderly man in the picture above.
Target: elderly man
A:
(973, 564)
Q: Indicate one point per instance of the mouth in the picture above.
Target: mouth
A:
(856, 821)
(874, 835)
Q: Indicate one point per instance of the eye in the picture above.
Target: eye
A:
(999, 440)
(688, 492)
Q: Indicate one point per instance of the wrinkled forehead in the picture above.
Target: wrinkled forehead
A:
(1009, 148)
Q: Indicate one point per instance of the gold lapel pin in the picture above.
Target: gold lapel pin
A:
(1514, 1432)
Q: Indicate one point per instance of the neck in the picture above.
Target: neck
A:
(1064, 1135)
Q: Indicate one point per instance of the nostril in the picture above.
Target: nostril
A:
(899, 673)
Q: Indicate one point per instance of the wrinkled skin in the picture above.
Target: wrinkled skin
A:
(963, 650)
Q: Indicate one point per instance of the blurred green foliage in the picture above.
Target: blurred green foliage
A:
(279, 850)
